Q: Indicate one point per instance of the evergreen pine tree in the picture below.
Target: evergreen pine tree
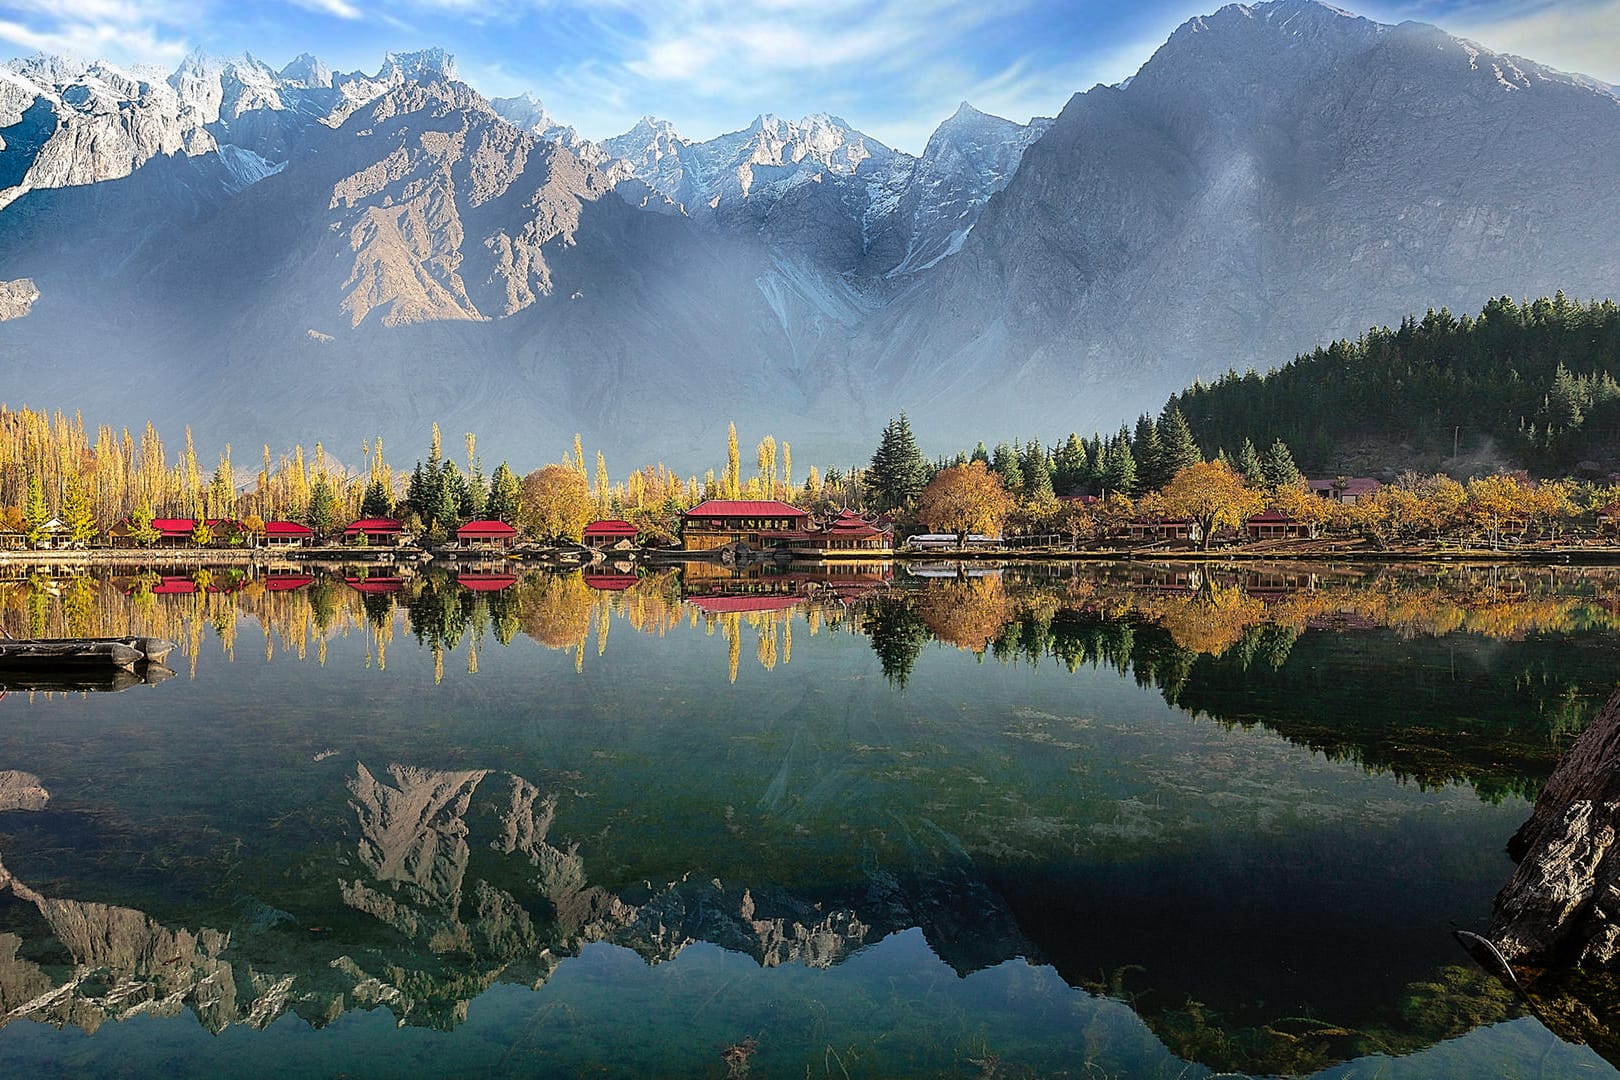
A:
(416, 491)
(1069, 466)
(453, 498)
(1004, 463)
(1094, 453)
(898, 469)
(1277, 466)
(1036, 471)
(474, 506)
(1145, 450)
(980, 453)
(504, 493)
(376, 502)
(322, 515)
(1248, 464)
(1118, 472)
(1177, 448)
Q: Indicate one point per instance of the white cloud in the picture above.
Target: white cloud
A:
(341, 9)
(123, 31)
(1580, 36)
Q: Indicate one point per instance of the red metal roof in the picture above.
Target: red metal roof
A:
(175, 585)
(1270, 516)
(374, 525)
(486, 582)
(287, 582)
(375, 584)
(611, 527)
(287, 528)
(486, 528)
(745, 508)
(610, 580)
(852, 525)
(174, 526)
(723, 605)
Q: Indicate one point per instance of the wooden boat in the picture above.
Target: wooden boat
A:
(108, 680)
(57, 654)
(155, 650)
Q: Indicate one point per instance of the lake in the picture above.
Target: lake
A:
(1041, 820)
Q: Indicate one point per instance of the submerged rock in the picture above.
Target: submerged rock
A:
(21, 791)
(1562, 905)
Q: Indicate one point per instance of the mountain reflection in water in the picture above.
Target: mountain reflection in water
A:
(959, 824)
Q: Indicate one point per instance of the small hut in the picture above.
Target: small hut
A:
(288, 534)
(611, 533)
(375, 532)
(486, 535)
(1273, 524)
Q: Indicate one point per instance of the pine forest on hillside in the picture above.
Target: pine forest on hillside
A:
(1534, 382)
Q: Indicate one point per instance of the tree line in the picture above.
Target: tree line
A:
(1536, 381)
(1538, 377)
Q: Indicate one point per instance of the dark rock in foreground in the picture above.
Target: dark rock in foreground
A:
(1562, 905)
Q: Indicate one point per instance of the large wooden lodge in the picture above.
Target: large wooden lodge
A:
(759, 523)
(767, 524)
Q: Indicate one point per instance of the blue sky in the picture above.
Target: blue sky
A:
(893, 68)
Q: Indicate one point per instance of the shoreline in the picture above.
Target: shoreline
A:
(1313, 552)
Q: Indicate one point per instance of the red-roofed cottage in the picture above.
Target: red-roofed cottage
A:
(756, 522)
(743, 605)
(1273, 524)
(486, 583)
(174, 532)
(609, 580)
(487, 534)
(610, 532)
(287, 534)
(375, 532)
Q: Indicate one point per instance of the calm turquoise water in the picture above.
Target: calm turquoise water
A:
(1084, 821)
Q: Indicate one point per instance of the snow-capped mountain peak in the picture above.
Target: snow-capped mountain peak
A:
(425, 64)
(524, 111)
(306, 71)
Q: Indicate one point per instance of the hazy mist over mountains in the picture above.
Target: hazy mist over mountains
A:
(285, 255)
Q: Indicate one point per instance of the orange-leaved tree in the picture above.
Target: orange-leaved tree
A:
(556, 503)
(964, 499)
(1214, 496)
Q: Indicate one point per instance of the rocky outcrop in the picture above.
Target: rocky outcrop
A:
(21, 791)
(1562, 905)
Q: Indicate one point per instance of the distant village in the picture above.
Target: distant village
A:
(1155, 493)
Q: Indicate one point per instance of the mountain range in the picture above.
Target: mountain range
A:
(285, 255)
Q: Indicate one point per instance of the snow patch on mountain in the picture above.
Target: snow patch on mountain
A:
(873, 201)
(246, 167)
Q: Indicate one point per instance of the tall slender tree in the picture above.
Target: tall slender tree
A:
(898, 471)
(504, 495)
(1277, 466)
(1177, 447)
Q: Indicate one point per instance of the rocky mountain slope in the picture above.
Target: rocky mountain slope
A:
(281, 255)
(1274, 176)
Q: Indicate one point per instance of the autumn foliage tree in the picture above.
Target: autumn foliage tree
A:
(1214, 496)
(964, 499)
(556, 503)
(969, 613)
